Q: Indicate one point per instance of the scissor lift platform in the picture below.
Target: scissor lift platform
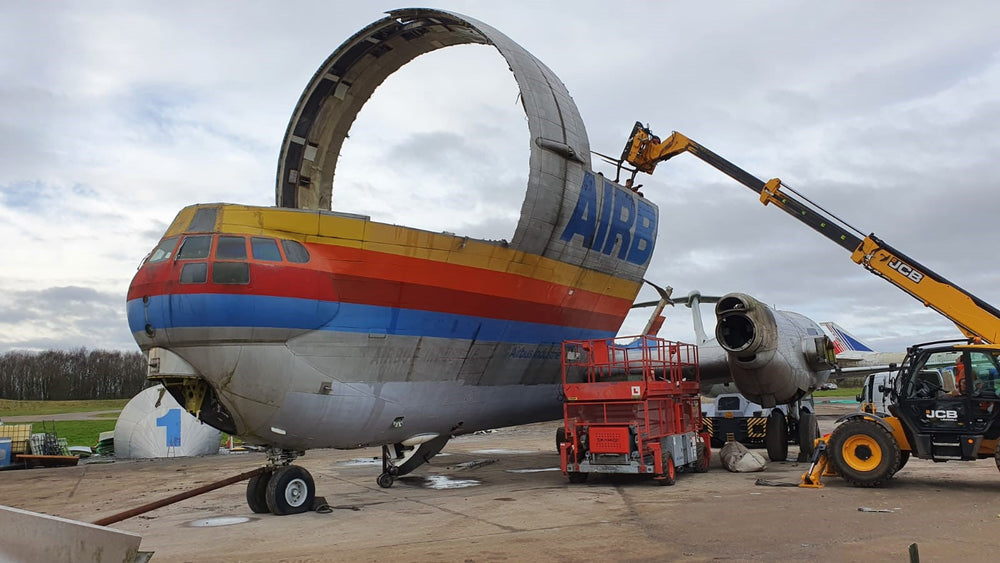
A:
(632, 405)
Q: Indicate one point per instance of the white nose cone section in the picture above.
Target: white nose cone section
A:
(153, 425)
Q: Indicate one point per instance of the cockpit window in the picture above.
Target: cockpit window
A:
(163, 250)
(265, 249)
(231, 272)
(231, 248)
(195, 247)
(203, 220)
(194, 272)
(295, 252)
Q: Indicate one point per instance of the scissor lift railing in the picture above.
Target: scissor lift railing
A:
(624, 397)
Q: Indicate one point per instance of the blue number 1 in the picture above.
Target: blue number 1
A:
(172, 422)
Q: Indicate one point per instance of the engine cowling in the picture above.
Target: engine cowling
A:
(775, 357)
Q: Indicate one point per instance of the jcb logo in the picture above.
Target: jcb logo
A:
(941, 414)
(905, 269)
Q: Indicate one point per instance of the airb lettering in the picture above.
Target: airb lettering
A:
(622, 220)
(905, 269)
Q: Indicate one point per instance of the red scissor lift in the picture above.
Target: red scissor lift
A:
(632, 406)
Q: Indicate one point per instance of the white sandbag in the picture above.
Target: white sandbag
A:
(738, 459)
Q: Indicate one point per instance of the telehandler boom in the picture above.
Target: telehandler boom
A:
(974, 317)
(866, 448)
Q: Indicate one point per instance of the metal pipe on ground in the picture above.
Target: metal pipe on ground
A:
(180, 496)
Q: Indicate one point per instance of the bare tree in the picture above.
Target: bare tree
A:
(59, 375)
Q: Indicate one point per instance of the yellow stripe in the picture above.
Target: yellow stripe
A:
(356, 232)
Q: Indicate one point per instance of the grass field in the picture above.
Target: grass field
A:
(843, 393)
(30, 408)
(76, 432)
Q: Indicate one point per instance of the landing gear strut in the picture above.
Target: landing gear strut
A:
(389, 469)
(284, 488)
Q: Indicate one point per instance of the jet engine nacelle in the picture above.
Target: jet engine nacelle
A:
(774, 357)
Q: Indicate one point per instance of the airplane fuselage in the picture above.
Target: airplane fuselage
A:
(319, 329)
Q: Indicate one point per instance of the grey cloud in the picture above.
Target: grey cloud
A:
(882, 113)
(64, 318)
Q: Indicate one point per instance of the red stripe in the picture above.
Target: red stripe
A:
(393, 267)
(521, 299)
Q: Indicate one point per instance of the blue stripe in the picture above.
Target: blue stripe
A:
(221, 310)
(852, 343)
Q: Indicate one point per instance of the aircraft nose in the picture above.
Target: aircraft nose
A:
(144, 312)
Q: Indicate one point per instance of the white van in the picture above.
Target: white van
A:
(874, 397)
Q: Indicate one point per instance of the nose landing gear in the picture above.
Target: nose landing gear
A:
(389, 469)
(285, 489)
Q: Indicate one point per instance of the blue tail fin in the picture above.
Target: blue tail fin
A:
(843, 341)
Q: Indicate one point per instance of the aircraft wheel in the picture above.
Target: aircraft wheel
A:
(808, 432)
(863, 453)
(290, 491)
(577, 477)
(385, 480)
(776, 436)
(701, 464)
(669, 476)
(257, 493)
(905, 456)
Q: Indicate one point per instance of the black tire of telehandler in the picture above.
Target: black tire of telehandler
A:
(864, 453)
(776, 436)
(996, 454)
(560, 437)
(904, 456)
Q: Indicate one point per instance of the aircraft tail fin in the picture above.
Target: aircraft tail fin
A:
(843, 341)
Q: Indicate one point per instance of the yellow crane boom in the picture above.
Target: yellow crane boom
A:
(975, 318)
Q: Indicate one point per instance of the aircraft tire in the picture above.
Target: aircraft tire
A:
(669, 476)
(257, 493)
(808, 432)
(385, 480)
(776, 436)
(701, 463)
(863, 453)
(290, 491)
(905, 456)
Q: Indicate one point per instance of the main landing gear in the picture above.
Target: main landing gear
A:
(801, 426)
(284, 488)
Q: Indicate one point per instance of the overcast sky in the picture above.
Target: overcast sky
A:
(114, 116)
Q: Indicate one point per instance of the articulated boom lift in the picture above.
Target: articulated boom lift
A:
(867, 449)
